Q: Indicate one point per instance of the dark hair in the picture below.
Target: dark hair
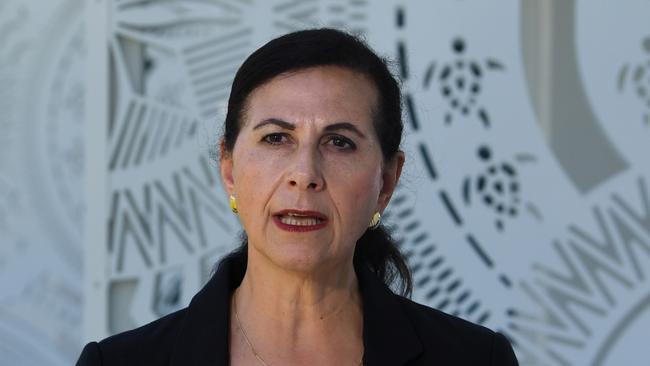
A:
(329, 47)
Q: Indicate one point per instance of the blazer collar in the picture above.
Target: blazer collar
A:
(388, 335)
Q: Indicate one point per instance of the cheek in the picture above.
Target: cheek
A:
(254, 180)
(357, 189)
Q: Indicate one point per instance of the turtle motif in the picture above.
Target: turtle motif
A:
(460, 82)
(498, 187)
(638, 77)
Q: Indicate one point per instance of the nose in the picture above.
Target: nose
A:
(305, 172)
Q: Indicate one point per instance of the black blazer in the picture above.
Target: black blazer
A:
(396, 331)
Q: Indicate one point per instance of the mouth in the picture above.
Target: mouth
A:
(300, 221)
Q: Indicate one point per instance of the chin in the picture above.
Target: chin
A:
(299, 260)
(300, 257)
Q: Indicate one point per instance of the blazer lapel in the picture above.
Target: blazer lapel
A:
(388, 335)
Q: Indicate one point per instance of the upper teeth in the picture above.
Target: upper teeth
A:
(291, 219)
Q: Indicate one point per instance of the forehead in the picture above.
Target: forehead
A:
(323, 93)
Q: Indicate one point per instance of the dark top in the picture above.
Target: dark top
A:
(396, 331)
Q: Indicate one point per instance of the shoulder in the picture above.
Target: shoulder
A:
(427, 319)
(150, 344)
(455, 339)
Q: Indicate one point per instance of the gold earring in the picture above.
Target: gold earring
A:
(233, 204)
(374, 223)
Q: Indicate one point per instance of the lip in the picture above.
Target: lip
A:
(296, 228)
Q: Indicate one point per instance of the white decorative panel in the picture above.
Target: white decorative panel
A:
(495, 228)
(117, 105)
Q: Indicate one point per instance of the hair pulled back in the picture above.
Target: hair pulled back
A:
(295, 51)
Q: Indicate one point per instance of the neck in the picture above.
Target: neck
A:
(300, 296)
(289, 312)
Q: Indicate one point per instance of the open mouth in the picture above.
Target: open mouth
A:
(292, 220)
(298, 220)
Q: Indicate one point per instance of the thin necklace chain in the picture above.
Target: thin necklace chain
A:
(248, 341)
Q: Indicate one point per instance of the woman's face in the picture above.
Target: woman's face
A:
(307, 168)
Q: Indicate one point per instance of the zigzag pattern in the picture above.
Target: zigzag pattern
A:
(593, 267)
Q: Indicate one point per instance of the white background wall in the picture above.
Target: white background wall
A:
(562, 102)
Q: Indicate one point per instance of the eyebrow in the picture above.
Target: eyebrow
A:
(274, 121)
(290, 126)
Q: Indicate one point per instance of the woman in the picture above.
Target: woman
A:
(310, 157)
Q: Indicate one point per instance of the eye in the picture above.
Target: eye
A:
(275, 138)
(341, 142)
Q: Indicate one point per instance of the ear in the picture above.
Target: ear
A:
(390, 177)
(225, 167)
